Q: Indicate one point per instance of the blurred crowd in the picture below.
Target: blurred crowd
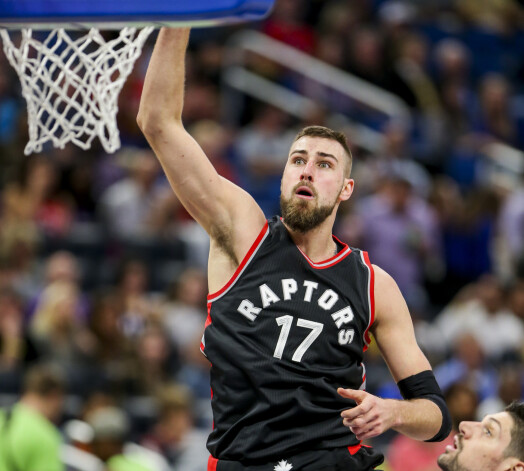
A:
(102, 272)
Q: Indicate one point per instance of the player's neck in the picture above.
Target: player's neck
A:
(317, 244)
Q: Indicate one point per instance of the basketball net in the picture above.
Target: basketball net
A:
(71, 85)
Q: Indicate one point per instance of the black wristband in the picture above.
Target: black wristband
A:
(423, 385)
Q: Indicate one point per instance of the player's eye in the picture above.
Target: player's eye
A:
(324, 165)
(298, 161)
(487, 431)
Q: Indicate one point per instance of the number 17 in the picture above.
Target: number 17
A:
(285, 322)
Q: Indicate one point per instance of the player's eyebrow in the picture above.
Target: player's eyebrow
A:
(320, 154)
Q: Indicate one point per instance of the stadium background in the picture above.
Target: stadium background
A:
(103, 273)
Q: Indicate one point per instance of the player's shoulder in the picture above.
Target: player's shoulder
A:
(386, 288)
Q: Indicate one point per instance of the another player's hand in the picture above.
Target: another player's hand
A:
(370, 417)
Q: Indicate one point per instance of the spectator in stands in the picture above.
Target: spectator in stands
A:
(511, 226)
(262, 147)
(155, 362)
(174, 434)
(287, 24)
(61, 266)
(132, 288)
(29, 441)
(126, 205)
(468, 364)
(396, 158)
(111, 430)
(496, 117)
(59, 335)
(510, 389)
(16, 348)
(485, 316)
(185, 310)
(401, 231)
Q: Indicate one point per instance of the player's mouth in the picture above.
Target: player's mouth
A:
(304, 192)
(457, 444)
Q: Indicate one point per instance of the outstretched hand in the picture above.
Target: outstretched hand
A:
(370, 417)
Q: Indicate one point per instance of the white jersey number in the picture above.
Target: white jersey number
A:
(285, 322)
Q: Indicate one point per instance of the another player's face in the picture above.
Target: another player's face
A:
(314, 182)
(480, 445)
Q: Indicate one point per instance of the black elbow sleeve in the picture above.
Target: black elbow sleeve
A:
(423, 385)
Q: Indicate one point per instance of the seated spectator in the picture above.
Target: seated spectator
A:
(401, 234)
(174, 434)
(263, 147)
(496, 117)
(185, 310)
(126, 205)
(29, 440)
(111, 429)
(511, 227)
(287, 24)
(154, 364)
(61, 266)
(468, 365)
(485, 316)
(16, 348)
(58, 334)
(510, 389)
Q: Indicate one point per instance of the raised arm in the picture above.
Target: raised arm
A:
(224, 210)
(424, 415)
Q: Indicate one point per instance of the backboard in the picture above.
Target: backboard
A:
(115, 14)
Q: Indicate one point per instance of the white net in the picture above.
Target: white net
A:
(71, 84)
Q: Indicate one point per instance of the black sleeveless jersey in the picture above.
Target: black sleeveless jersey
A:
(282, 335)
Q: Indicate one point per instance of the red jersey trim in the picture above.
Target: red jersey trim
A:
(371, 297)
(243, 264)
(339, 256)
(212, 463)
(354, 449)
(208, 322)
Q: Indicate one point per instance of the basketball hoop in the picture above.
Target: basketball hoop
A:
(71, 82)
(71, 86)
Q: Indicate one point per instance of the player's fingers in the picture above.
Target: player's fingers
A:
(367, 431)
(363, 420)
(355, 394)
(370, 433)
(357, 411)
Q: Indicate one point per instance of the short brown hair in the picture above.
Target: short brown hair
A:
(44, 380)
(327, 133)
(516, 446)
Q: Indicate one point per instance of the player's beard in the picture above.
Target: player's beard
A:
(299, 217)
(452, 464)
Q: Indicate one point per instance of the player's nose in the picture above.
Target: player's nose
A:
(467, 428)
(307, 172)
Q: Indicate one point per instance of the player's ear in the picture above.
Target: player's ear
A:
(516, 466)
(347, 189)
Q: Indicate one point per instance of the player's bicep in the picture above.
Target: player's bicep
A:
(211, 199)
(393, 330)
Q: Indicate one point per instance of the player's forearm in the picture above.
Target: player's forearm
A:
(420, 419)
(163, 94)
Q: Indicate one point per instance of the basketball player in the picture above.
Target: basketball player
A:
(291, 307)
(495, 444)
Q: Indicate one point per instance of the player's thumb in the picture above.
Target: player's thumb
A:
(354, 394)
